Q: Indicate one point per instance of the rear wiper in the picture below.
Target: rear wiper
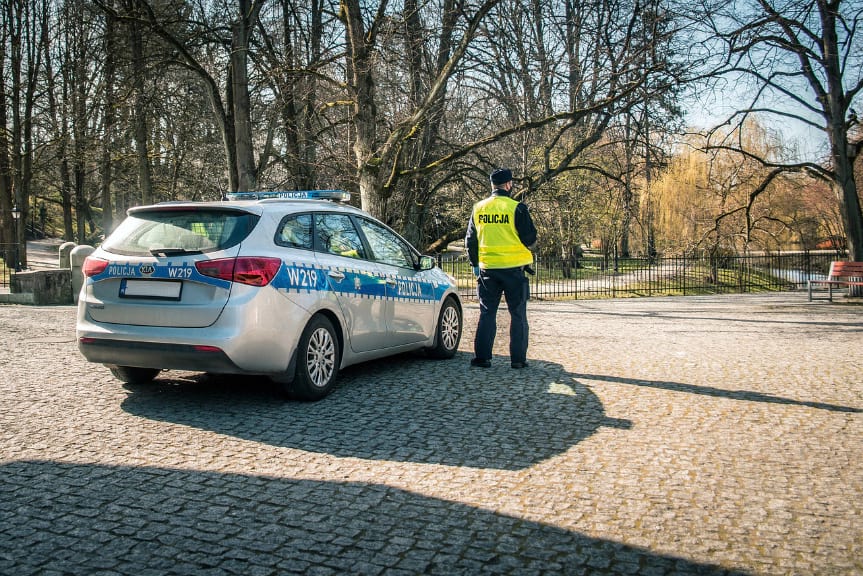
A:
(172, 251)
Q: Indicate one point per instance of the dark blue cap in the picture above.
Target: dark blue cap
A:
(501, 176)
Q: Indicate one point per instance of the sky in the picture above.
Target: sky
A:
(708, 109)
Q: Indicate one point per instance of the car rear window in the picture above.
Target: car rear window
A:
(179, 231)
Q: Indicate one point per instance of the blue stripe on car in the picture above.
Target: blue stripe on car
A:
(294, 277)
(149, 271)
(306, 278)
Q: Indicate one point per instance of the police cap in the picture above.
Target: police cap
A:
(501, 176)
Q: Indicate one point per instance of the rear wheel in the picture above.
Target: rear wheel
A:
(317, 361)
(448, 333)
(134, 375)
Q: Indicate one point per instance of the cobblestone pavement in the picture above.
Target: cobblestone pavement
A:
(699, 435)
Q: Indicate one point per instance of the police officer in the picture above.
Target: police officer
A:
(499, 237)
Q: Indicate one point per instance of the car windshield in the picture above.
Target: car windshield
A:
(179, 231)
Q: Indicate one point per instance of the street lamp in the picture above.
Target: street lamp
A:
(16, 214)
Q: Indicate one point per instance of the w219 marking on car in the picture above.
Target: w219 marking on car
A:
(303, 277)
(183, 272)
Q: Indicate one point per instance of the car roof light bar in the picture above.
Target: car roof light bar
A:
(336, 195)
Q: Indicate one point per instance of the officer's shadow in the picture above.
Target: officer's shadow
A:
(404, 408)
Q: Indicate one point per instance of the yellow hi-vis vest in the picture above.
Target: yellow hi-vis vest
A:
(499, 245)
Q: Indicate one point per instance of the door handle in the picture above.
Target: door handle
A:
(336, 275)
(391, 281)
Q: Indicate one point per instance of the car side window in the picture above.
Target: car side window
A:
(337, 235)
(295, 231)
(386, 247)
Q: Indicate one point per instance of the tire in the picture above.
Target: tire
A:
(317, 361)
(448, 332)
(134, 375)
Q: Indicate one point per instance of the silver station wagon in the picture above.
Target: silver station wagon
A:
(291, 285)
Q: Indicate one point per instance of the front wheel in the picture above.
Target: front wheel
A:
(134, 375)
(448, 333)
(317, 361)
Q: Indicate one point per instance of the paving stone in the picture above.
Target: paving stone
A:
(703, 435)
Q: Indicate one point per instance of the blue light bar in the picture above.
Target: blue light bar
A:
(337, 195)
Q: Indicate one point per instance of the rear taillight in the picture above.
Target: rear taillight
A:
(252, 270)
(207, 349)
(93, 266)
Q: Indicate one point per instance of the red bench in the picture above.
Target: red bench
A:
(841, 274)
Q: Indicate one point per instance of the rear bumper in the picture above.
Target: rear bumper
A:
(255, 337)
(157, 354)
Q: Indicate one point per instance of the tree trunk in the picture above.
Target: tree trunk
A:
(6, 234)
(61, 125)
(573, 53)
(378, 160)
(417, 151)
(15, 23)
(79, 174)
(628, 177)
(75, 73)
(289, 105)
(108, 124)
(362, 85)
(142, 148)
(242, 108)
(842, 152)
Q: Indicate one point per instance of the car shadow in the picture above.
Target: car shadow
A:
(64, 518)
(405, 408)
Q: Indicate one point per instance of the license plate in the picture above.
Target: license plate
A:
(154, 289)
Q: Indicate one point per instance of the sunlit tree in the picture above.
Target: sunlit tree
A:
(798, 61)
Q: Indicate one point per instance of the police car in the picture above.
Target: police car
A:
(291, 285)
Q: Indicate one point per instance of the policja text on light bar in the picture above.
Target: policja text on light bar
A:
(337, 195)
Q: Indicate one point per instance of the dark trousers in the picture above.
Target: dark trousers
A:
(491, 284)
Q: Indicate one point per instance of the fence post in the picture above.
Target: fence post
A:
(684, 274)
(537, 273)
(575, 276)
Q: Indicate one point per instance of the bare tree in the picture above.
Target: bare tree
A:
(109, 106)
(141, 121)
(240, 104)
(804, 59)
(58, 123)
(424, 63)
(409, 103)
(78, 103)
(6, 201)
(294, 65)
(604, 63)
(22, 27)
(377, 155)
(231, 111)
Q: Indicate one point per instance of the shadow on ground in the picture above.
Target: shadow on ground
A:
(87, 519)
(739, 395)
(403, 409)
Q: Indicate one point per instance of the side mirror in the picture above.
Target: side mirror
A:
(427, 262)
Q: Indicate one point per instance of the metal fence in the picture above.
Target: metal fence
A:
(8, 257)
(597, 277)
